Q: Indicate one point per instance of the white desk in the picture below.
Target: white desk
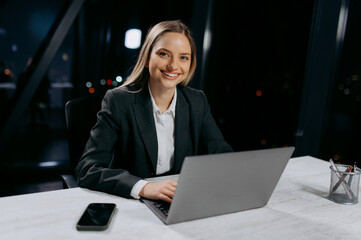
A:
(298, 209)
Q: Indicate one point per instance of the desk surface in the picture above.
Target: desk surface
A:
(298, 209)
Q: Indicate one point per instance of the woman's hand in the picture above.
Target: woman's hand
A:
(159, 191)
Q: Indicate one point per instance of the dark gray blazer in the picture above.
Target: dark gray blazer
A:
(122, 148)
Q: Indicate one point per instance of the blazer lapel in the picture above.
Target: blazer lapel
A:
(144, 116)
(180, 130)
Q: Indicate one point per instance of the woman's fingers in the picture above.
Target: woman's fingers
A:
(165, 198)
(159, 191)
(168, 189)
(168, 192)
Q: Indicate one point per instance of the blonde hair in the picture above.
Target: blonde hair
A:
(140, 74)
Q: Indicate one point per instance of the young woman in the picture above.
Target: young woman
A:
(150, 124)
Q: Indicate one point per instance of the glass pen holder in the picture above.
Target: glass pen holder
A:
(344, 187)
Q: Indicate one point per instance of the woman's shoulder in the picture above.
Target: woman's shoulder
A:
(192, 93)
(119, 99)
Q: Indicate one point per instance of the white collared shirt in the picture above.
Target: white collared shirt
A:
(164, 124)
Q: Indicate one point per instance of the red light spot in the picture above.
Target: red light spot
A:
(259, 93)
(109, 82)
(91, 90)
(7, 71)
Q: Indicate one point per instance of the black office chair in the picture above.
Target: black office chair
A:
(81, 116)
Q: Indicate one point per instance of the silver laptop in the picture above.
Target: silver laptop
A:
(211, 185)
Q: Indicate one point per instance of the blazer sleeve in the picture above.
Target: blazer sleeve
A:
(94, 170)
(211, 138)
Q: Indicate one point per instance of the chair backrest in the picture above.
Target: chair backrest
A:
(81, 116)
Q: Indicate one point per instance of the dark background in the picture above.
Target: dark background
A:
(276, 73)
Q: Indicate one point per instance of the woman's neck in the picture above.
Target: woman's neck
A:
(163, 98)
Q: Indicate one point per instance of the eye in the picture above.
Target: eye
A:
(163, 54)
(184, 58)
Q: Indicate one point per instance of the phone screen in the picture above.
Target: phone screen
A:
(96, 216)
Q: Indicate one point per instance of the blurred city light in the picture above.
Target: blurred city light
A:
(119, 79)
(14, 47)
(49, 164)
(65, 57)
(133, 38)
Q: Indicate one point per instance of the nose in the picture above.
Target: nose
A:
(172, 64)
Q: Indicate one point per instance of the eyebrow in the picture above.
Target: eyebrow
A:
(164, 49)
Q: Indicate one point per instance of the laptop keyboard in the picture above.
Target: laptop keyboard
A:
(162, 206)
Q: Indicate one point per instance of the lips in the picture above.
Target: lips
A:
(170, 75)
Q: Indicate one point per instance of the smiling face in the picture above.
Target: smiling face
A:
(169, 61)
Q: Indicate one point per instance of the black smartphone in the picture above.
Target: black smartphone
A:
(96, 216)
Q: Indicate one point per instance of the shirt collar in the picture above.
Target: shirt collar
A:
(171, 106)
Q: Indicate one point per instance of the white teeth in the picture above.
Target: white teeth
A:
(170, 74)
